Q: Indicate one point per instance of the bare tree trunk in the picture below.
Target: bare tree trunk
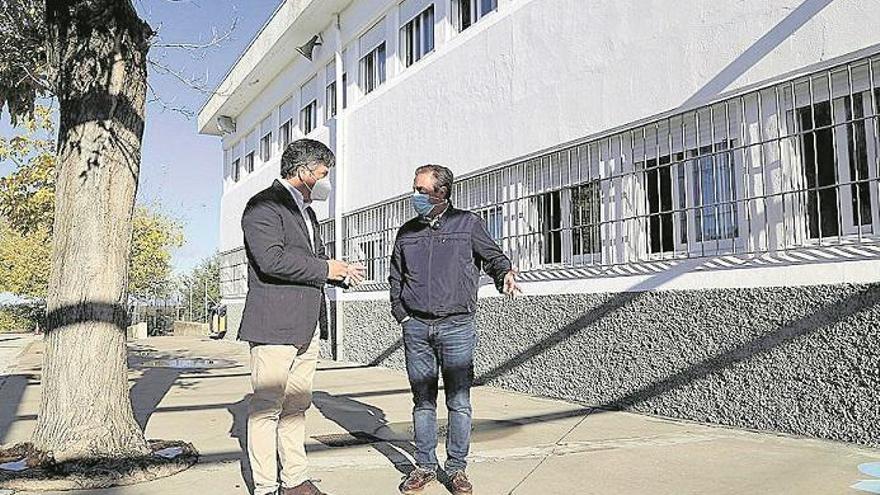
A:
(97, 49)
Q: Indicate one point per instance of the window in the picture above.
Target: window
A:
(344, 90)
(818, 162)
(467, 12)
(585, 215)
(249, 162)
(236, 169)
(705, 188)
(308, 117)
(266, 147)
(286, 134)
(837, 147)
(658, 182)
(715, 214)
(417, 37)
(330, 93)
(373, 69)
(330, 101)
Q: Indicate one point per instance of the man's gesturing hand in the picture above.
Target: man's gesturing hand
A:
(511, 288)
(340, 270)
(356, 273)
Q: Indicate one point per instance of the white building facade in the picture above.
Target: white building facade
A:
(690, 188)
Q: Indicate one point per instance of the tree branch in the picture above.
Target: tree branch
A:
(217, 39)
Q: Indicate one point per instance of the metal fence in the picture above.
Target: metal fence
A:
(778, 167)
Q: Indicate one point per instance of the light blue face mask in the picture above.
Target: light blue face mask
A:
(421, 203)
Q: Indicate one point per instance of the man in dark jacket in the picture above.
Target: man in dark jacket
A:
(435, 271)
(287, 271)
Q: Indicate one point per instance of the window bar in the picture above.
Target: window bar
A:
(615, 224)
(854, 158)
(647, 201)
(745, 166)
(688, 197)
(634, 224)
(875, 108)
(658, 169)
(625, 166)
(835, 144)
(718, 202)
(675, 165)
(597, 227)
(701, 234)
(601, 170)
(763, 158)
(815, 160)
(801, 191)
(779, 156)
(734, 197)
(520, 227)
(533, 198)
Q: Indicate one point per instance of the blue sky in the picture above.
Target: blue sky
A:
(181, 170)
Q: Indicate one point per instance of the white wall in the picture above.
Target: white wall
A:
(542, 72)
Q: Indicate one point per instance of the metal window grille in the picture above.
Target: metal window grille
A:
(328, 235)
(789, 165)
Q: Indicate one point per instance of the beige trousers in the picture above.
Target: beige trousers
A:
(282, 383)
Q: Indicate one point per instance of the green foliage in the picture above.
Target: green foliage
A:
(19, 318)
(27, 196)
(154, 236)
(25, 261)
(192, 285)
(24, 68)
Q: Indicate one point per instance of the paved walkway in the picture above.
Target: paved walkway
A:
(11, 345)
(360, 429)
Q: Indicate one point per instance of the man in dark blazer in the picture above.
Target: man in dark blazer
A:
(287, 271)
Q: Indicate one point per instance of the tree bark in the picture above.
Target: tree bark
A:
(97, 50)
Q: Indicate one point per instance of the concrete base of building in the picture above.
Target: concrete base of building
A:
(798, 360)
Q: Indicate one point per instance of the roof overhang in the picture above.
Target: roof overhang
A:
(293, 24)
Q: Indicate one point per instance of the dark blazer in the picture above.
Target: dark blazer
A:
(286, 278)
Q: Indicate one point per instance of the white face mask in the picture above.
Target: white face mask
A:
(322, 188)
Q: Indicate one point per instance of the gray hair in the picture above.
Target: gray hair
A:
(442, 177)
(305, 153)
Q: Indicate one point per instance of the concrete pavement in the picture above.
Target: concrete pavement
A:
(11, 345)
(360, 433)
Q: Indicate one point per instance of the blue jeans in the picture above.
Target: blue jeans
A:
(448, 346)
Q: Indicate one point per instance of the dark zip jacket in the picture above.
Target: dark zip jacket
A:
(435, 270)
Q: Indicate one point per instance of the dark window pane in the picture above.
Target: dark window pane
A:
(818, 165)
(464, 14)
(551, 217)
(858, 159)
(658, 180)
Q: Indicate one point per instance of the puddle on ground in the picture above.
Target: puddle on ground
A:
(188, 363)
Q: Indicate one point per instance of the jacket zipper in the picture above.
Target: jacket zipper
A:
(430, 307)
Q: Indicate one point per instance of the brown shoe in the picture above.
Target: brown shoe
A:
(417, 480)
(304, 488)
(460, 484)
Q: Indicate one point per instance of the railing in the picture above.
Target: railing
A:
(784, 166)
(776, 168)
